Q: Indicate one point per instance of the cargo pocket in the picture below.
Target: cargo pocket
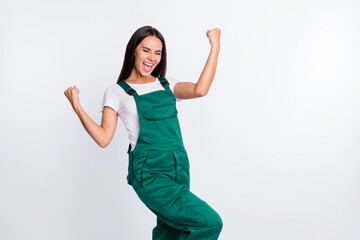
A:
(177, 160)
(160, 113)
(160, 163)
(182, 166)
(138, 165)
(167, 205)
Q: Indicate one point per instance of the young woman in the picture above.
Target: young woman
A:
(158, 163)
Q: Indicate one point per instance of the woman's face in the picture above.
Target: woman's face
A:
(148, 55)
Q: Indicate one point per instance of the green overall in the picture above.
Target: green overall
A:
(159, 171)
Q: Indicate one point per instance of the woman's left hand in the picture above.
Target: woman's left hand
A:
(214, 37)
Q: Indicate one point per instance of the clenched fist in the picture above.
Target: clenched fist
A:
(72, 93)
(214, 37)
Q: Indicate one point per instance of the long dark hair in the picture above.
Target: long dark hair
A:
(129, 58)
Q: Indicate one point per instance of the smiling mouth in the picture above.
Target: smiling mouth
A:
(148, 66)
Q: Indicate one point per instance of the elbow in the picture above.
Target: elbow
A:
(103, 144)
(200, 93)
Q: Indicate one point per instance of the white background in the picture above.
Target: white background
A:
(273, 147)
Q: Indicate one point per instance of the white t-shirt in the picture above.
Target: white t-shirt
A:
(125, 106)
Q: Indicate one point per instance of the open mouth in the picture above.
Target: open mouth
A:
(148, 66)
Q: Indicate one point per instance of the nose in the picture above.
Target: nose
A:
(151, 57)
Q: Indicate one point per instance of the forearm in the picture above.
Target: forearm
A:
(207, 75)
(94, 130)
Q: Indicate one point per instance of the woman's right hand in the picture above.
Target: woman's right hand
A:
(72, 93)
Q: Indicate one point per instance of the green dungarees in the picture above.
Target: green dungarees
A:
(159, 171)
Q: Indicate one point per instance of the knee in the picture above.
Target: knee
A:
(215, 222)
(218, 224)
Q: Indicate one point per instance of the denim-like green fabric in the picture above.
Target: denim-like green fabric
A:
(159, 171)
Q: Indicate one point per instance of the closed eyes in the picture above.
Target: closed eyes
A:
(148, 50)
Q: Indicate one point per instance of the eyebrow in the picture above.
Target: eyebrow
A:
(150, 49)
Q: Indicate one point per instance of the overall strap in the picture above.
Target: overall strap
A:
(129, 90)
(164, 83)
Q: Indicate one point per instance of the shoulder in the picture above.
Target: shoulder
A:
(114, 87)
(172, 82)
(115, 90)
(113, 97)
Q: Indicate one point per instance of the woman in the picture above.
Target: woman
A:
(158, 162)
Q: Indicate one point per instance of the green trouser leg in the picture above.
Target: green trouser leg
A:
(197, 221)
(180, 213)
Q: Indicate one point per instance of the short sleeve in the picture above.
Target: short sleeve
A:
(111, 98)
(172, 82)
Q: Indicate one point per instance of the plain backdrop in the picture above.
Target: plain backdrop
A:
(273, 147)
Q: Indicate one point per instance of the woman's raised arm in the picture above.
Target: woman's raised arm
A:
(187, 90)
(102, 134)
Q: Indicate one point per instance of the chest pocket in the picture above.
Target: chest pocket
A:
(160, 113)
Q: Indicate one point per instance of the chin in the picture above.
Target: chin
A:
(146, 74)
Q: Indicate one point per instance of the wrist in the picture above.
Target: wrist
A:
(215, 48)
(77, 108)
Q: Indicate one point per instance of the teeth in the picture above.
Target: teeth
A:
(150, 65)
